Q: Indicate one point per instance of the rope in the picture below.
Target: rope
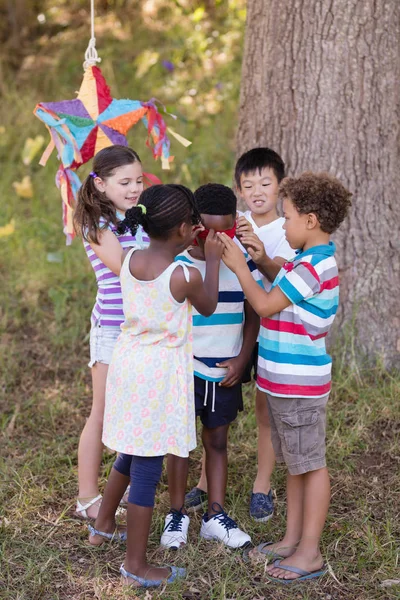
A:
(91, 56)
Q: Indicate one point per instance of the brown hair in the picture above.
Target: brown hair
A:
(318, 193)
(92, 204)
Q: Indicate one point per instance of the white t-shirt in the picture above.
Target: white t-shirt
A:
(273, 237)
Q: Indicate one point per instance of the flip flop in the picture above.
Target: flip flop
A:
(304, 575)
(176, 572)
(262, 549)
(117, 536)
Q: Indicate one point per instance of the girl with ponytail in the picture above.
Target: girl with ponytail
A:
(113, 187)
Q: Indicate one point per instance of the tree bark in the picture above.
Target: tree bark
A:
(320, 85)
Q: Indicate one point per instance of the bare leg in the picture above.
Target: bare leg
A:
(114, 490)
(202, 484)
(215, 445)
(139, 521)
(265, 451)
(177, 468)
(90, 448)
(294, 523)
(316, 499)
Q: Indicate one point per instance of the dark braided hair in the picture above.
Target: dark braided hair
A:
(215, 199)
(92, 204)
(166, 207)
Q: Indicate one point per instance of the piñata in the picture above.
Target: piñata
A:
(81, 127)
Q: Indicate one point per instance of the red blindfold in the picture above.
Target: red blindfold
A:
(229, 232)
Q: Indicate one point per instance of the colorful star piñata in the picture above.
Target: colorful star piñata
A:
(82, 127)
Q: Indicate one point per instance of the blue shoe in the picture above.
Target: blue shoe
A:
(196, 499)
(176, 573)
(261, 506)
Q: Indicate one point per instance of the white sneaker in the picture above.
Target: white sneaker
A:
(175, 530)
(224, 529)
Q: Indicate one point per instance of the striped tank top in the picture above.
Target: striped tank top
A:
(107, 310)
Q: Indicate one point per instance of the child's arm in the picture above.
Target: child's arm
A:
(202, 294)
(237, 365)
(265, 304)
(269, 267)
(109, 251)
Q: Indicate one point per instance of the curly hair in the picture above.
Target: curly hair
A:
(318, 193)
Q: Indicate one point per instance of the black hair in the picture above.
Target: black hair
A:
(160, 210)
(215, 199)
(258, 159)
(92, 204)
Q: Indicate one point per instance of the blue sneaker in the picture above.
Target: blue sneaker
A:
(196, 499)
(261, 506)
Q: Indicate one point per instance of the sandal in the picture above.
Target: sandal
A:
(176, 572)
(117, 536)
(81, 509)
(262, 549)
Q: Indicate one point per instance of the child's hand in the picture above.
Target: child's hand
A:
(254, 247)
(233, 257)
(243, 227)
(196, 229)
(213, 247)
(235, 368)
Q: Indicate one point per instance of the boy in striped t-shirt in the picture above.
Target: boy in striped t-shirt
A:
(222, 346)
(294, 368)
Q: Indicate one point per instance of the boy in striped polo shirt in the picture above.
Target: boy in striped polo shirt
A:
(222, 346)
(294, 368)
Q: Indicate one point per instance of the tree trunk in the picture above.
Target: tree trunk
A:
(320, 85)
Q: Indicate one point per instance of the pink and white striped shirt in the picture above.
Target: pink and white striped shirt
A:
(107, 310)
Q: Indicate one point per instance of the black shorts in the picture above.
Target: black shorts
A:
(222, 404)
(251, 365)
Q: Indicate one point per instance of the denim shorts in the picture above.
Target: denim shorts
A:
(102, 342)
(298, 428)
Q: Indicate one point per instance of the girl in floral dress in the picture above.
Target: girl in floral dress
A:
(149, 399)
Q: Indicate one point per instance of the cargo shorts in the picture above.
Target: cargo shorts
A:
(298, 427)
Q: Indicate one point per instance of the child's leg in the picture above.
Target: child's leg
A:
(300, 426)
(176, 522)
(202, 484)
(145, 475)
(265, 451)
(113, 492)
(177, 468)
(294, 519)
(215, 445)
(315, 504)
(90, 448)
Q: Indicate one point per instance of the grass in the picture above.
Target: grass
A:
(44, 549)
(47, 294)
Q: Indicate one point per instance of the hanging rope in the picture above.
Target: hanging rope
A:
(91, 56)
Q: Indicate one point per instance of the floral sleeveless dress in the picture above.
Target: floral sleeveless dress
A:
(149, 407)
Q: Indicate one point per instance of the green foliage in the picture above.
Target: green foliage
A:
(47, 295)
(45, 283)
